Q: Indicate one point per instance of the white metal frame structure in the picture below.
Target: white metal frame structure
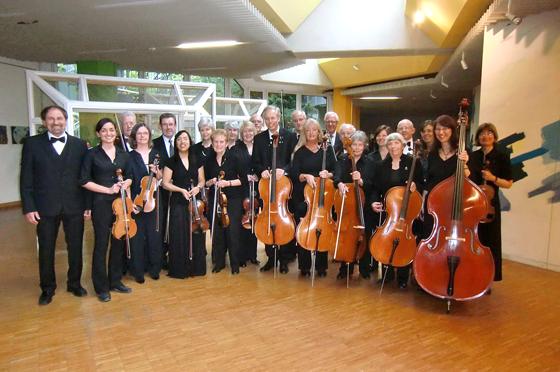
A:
(195, 108)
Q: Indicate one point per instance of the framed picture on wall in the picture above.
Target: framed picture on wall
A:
(3, 135)
(18, 134)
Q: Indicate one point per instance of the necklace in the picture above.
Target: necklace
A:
(446, 155)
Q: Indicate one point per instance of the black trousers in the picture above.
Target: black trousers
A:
(47, 231)
(146, 246)
(304, 260)
(228, 239)
(248, 246)
(163, 209)
(103, 279)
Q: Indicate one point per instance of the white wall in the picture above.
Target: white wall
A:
(520, 92)
(13, 112)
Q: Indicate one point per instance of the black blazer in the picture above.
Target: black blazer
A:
(337, 146)
(49, 183)
(159, 146)
(262, 151)
(138, 170)
(381, 183)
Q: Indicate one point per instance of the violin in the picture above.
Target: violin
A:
(350, 243)
(275, 224)
(145, 199)
(220, 205)
(451, 263)
(251, 207)
(393, 243)
(199, 222)
(124, 225)
(489, 192)
(316, 230)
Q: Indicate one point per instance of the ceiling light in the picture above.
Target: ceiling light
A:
(381, 98)
(356, 67)
(209, 44)
(463, 62)
(131, 4)
(443, 83)
(514, 19)
(418, 17)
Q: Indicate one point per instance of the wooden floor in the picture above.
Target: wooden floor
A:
(255, 322)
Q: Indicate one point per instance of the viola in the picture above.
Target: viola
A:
(124, 225)
(489, 192)
(250, 208)
(316, 230)
(275, 224)
(221, 205)
(199, 222)
(145, 199)
(350, 236)
(451, 263)
(393, 243)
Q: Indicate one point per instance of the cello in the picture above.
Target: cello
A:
(316, 230)
(275, 224)
(451, 263)
(393, 243)
(350, 226)
(124, 225)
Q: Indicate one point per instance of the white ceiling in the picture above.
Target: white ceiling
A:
(142, 34)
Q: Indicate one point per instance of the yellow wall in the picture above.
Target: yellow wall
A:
(342, 105)
(520, 92)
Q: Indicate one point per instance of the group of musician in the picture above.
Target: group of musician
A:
(209, 190)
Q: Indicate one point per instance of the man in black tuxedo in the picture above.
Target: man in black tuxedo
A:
(50, 193)
(331, 122)
(262, 162)
(406, 129)
(298, 120)
(165, 147)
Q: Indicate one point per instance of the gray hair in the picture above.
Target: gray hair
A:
(361, 136)
(205, 121)
(271, 108)
(299, 112)
(405, 121)
(395, 137)
(346, 126)
(331, 113)
(232, 124)
(126, 114)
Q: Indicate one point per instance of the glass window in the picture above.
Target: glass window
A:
(108, 92)
(286, 103)
(219, 81)
(256, 95)
(67, 68)
(314, 107)
(237, 90)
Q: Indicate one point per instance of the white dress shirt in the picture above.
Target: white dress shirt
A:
(58, 146)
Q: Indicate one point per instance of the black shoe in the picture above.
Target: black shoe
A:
(139, 280)
(78, 292)
(267, 266)
(121, 288)
(217, 269)
(305, 273)
(154, 276)
(321, 274)
(254, 261)
(365, 275)
(104, 296)
(403, 285)
(284, 268)
(243, 264)
(46, 298)
(234, 271)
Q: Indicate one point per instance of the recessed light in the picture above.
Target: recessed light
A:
(380, 98)
(356, 67)
(418, 17)
(209, 44)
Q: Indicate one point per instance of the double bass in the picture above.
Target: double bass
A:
(393, 243)
(451, 263)
(316, 230)
(275, 224)
(350, 226)
(124, 225)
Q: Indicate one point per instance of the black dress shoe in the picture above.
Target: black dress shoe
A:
(267, 266)
(321, 274)
(217, 269)
(121, 288)
(341, 274)
(284, 268)
(78, 292)
(234, 271)
(365, 275)
(305, 273)
(154, 276)
(140, 280)
(104, 296)
(403, 285)
(255, 261)
(243, 264)
(45, 298)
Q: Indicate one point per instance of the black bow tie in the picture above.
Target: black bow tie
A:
(61, 139)
(409, 144)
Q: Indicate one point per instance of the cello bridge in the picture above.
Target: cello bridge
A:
(456, 239)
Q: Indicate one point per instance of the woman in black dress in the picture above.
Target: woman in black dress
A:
(490, 165)
(99, 176)
(379, 150)
(183, 175)
(147, 249)
(394, 170)
(306, 165)
(343, 174)
(225, 238)
(244, 150)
